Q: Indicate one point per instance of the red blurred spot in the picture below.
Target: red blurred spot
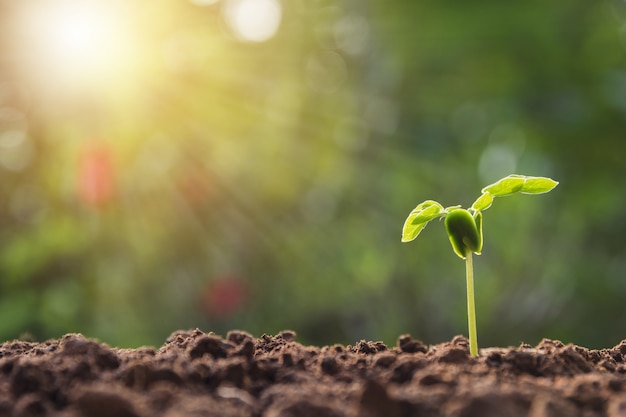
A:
(95, 176)
(224, 296)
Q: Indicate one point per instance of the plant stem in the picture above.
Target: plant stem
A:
(471, 309)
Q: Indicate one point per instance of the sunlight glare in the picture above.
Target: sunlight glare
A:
(73, 39)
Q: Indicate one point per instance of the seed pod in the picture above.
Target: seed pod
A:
(464, 232)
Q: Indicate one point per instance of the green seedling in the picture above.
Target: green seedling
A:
(465, 228)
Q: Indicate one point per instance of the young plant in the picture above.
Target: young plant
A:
(465, 231)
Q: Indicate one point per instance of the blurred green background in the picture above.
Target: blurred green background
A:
(248, 164)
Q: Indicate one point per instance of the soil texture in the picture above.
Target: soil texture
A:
(201, 374)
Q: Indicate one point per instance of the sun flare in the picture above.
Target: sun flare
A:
(77, 41)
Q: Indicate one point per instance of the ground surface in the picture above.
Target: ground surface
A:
(199, 374)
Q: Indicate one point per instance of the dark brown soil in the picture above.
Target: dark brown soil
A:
(200, 374)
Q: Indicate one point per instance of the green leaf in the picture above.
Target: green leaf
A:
(483, 202)
(506, 186)
(419, 218)
(538, 185)
(463, 232)
(478, 219)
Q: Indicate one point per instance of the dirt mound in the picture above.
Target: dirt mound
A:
(200, 374)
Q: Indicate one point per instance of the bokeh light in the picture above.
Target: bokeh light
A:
(253, 20)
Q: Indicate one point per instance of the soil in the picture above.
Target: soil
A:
(202, 374)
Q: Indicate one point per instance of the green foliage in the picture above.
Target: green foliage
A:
(464, 231)
(483, 202)
(419, 218)
(519, 184)
(464, 228)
